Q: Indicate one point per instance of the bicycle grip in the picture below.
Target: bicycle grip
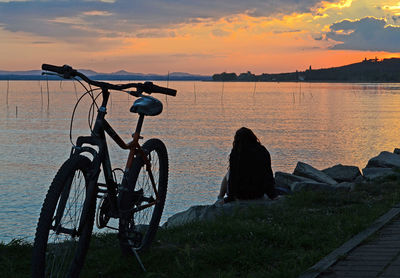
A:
(161, 90)
(52, 68)
(165, 91)
(66, 71)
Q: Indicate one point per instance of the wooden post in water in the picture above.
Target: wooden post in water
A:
(16, 111)
(194, 90)
(166, 99)
(111, 106)
(222, 91)
(168, 80)
(48, 94)
(8, 88)
(41, 96)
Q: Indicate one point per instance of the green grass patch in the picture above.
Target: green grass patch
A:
(15, 259)
(279, 241)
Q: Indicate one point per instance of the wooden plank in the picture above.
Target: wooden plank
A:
(331, 258)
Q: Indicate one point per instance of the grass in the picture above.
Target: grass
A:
(279, 241)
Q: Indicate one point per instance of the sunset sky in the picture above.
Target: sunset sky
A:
(196, 36)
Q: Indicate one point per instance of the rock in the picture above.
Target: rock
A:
(286, 180)
(376, 172)
(341, 173)
(360, 179)
(384, 160)
(345, 186)
(194, 213)
(311, 186)
(210, 212)
(396, 151)
(304, 170)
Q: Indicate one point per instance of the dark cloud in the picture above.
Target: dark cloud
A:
(368, 33)
(156, 34)
(130, 17)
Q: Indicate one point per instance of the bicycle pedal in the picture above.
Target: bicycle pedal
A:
(135, 196)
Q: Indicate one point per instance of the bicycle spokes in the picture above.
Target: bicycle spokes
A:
(69, 208)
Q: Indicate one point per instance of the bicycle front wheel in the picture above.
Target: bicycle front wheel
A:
(66, 222)
(141, 206)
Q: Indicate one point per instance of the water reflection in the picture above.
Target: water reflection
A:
(318, 123)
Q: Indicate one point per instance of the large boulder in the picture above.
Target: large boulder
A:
(377, 172)
(210, 212)
(311, 186)
(304, 170)
(341, 173)
(345, 186)
(286, 180)
(384, 160)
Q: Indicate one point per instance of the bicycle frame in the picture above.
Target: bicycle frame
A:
(102, 158)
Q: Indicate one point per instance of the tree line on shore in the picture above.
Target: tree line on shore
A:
(369, 70)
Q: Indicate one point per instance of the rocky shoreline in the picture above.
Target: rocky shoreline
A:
(304, 177)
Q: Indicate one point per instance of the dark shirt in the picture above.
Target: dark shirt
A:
(250, 176)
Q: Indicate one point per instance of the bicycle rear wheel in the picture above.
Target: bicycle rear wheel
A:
(138, 229)
(59, 249)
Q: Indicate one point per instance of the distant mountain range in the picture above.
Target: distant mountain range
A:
(372, 70)
(119, 75)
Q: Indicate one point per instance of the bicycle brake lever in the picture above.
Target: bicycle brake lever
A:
(50, 73)
(135, 93)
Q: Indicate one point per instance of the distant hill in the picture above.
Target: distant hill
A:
(115, 76)
(21, 73)
(372, 70)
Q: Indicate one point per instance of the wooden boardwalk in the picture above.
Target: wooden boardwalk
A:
(376, 257)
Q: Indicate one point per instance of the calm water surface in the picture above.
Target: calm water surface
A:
(320, 124)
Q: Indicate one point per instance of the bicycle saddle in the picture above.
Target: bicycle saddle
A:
(147, 105)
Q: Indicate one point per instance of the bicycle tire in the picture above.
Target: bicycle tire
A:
(143, 224)
(52, 256)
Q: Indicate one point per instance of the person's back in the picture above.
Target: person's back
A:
(250, 175)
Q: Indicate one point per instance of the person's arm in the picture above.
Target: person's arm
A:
(269, 181)
(231, 189)
(224, 187)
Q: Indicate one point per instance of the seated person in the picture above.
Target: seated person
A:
(250, 175)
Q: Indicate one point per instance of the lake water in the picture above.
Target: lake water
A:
(319, 123)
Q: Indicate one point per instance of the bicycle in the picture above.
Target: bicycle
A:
(67, 216)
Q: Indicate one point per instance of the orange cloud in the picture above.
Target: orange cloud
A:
(97, 13)
(392, 8)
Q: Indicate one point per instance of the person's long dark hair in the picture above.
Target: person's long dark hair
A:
(244, 140)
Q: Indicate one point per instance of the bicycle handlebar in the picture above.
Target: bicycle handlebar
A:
(68, 72)
(60, 70)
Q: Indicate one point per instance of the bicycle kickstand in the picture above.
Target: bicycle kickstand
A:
(139, 260)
